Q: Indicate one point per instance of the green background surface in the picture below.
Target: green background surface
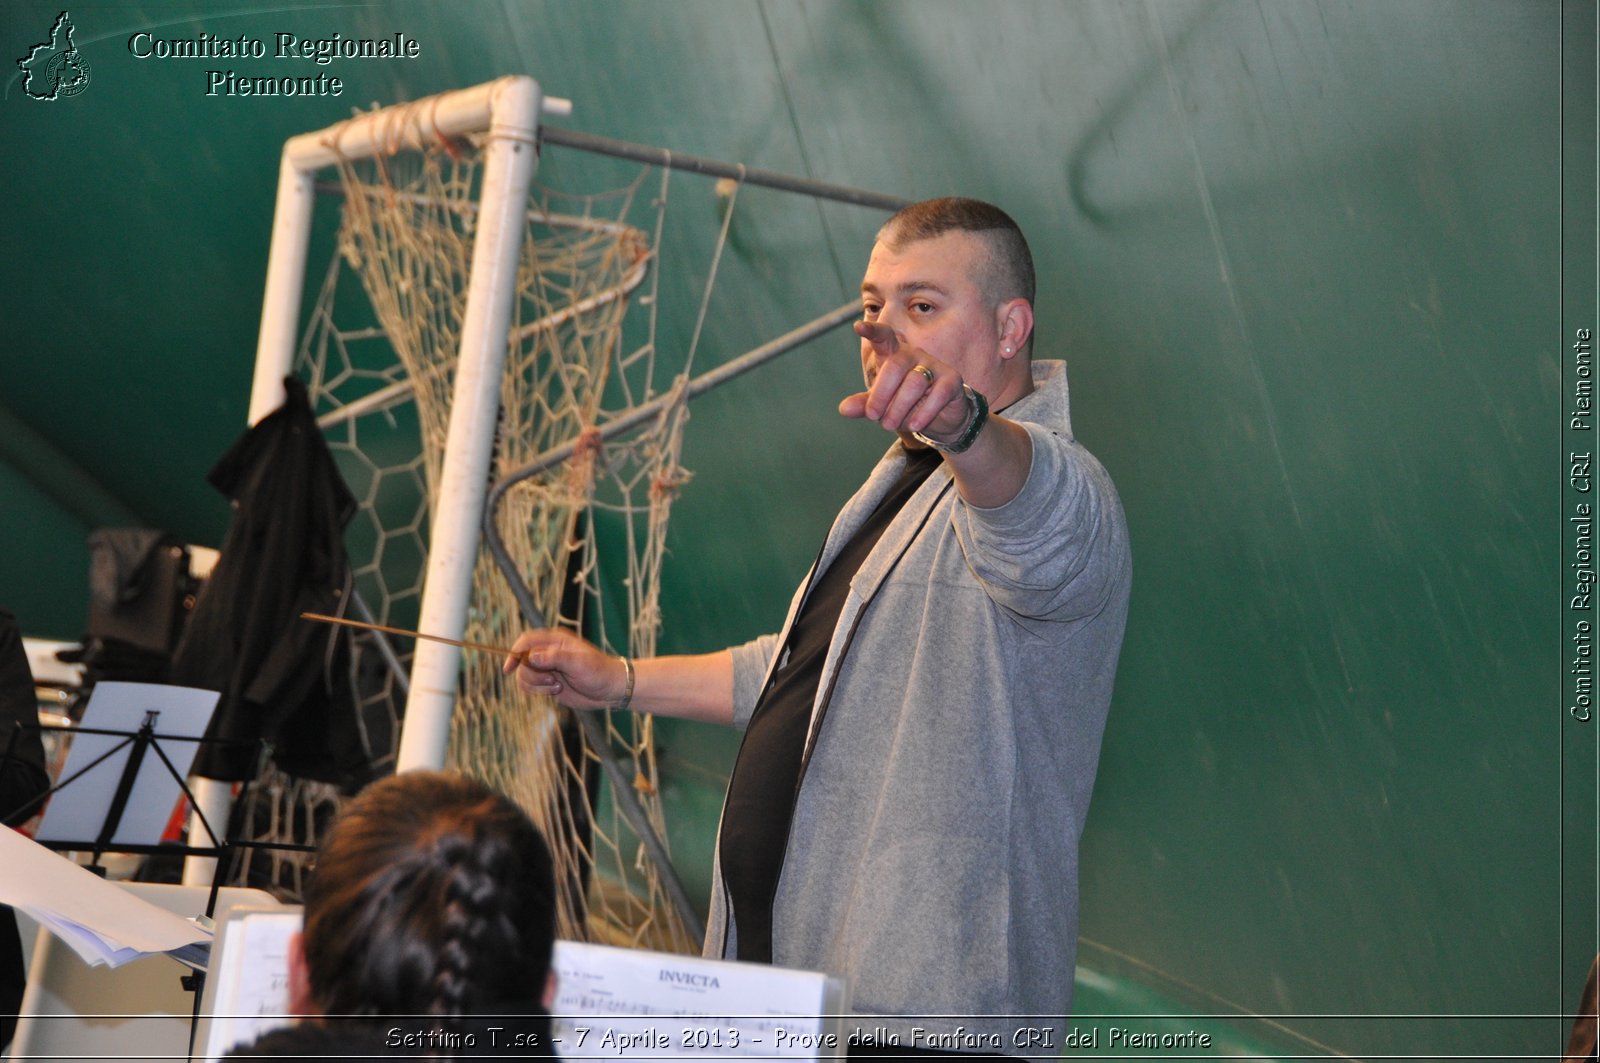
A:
(1304, 260)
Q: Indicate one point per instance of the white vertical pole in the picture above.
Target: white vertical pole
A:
(286, 276)
(463, 483)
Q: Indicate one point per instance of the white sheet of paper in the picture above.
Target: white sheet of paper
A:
(250, 970)
(78, 811)
(632, 1003)
(100, 921)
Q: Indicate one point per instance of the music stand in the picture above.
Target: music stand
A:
(138, 804)
(119, 805)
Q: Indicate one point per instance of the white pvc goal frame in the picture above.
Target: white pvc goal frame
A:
(507, 110)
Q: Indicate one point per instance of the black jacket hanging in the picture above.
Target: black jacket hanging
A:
(282, 679)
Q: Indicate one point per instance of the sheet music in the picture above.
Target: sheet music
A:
(611, 1002)
(614, 1003)
(100, 921)
(78, 812)
(247, 992)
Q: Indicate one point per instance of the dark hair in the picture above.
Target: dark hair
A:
(434, 895)
(1008, 273)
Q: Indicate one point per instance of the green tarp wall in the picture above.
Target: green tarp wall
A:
(1305, 261)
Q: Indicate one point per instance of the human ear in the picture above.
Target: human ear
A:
(549, 999)
(300, 1000)
(1015, 318)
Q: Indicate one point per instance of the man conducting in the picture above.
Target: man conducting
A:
(921, 737)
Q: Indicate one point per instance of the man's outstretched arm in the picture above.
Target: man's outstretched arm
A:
(580, 675)
(902, 399)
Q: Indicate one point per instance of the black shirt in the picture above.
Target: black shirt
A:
(766, 774)
(22, 774)
(22, 781)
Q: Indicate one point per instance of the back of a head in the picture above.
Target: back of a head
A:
(1009, 272)
(433, 895)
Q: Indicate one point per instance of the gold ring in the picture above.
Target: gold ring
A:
(924, 370)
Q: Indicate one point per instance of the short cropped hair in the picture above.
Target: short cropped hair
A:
(1008, 273)
(433, 895)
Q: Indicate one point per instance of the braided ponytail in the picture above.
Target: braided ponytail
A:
(477, 927)
(434, 895)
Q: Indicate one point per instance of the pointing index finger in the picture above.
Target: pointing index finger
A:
(879, 335)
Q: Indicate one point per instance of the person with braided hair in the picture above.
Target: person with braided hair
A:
(429, 926)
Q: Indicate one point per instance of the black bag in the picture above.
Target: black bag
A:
(140, 589)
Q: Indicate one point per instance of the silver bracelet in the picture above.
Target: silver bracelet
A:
(627, 690)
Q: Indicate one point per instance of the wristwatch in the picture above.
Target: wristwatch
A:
(976, 419)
